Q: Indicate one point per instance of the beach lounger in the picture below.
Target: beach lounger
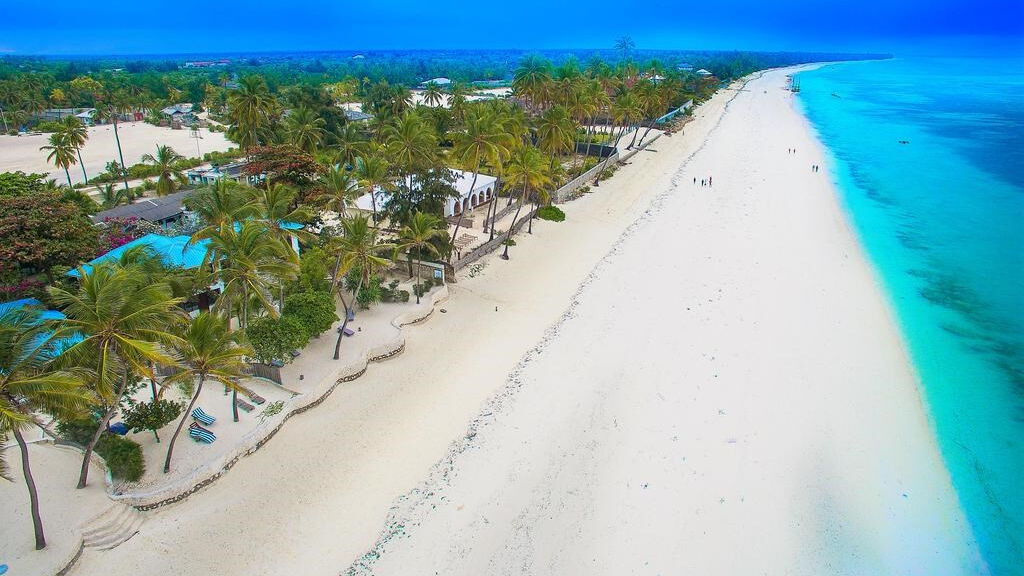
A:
(202, 417)
(277, 363)
(295, 353)
(350, 332)
(200, 434)
(257, 399)
(244, 405)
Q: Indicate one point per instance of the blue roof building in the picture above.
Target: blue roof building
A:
(59, 345)
(175, 251)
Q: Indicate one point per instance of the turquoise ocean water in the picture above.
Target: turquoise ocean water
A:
(942, 218)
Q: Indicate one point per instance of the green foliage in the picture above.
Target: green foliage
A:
(152, 416)
(509, 242)
(79, 431)
(48, 126)
(369, 292)
(41, 231)
(313, 310)
(272, 409)
(551, 213)
(123, 457)
(391, 293)
(273, 338)
(21, 184)
(314, 272)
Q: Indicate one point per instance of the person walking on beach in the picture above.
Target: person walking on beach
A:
(709, 180)
(695, 180)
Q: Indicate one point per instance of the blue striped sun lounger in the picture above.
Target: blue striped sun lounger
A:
(203, 417)
(200, 434)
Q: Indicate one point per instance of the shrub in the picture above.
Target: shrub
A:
(369, 292)
(152, 416)
(551, 213)
(313, 310)
(79, 431)
(273, 338)
(509, 242)
(48, 126)
(123, 457)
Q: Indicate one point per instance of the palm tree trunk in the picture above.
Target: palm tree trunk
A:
(462, 213)
(120, 155)
(181, 423)
(508, 235)
(68, 174)
(84, 175)
(648, 131)
(597, 181)
(234, 404)
(33, 496)
(83, 477)
(344, 323)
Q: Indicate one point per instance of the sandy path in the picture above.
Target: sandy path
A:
(784, 386)
(137, 138)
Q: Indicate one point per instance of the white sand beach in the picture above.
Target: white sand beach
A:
(675, 380)
(137, 138)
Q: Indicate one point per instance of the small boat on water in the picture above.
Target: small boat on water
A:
(836, 95)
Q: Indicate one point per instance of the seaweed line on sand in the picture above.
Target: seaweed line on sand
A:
(410, 508)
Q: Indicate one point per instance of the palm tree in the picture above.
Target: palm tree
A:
(526, 167)
(61, 153)
(111, 110)
(531, 80)
(625, 45)
(339, 190)
(249, 109)
(28, 384)
(625, 112)
(75, 133)
(373, 172)
(350, 144)
(483, 138)
(208, 351)
(166, 163)
(358, 248)
(410, 143)
(273, 207)
(417, 235)
(111, 197)
(219, 204)
(304, 129)
(432, 95)
(125, 319)
(556, 132)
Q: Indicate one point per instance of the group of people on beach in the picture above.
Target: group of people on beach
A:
(703, 182)
(791, 150)
(814, 167)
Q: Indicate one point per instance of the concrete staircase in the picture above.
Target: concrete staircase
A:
(115, 526)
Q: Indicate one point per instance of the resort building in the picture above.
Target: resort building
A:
(357, 116)
(210, 173)
(180, 113)
(470, 196)
(703, 72)
(442, 82)
(58, 114)
(162, 210)
(61, 344)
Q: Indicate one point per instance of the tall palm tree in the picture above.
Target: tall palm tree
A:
(111, 110)
(304, 129)
(526, 168)
(273, 207)
(126, 320)
(166, 163)
(61, 153)
(358, 247)
(417, 237)
(350, 144)
(76, 134)
(339, 190)
(208, 350)
(482, 139)
(556, 132)
(531, 80)
(249, 109)
(432, 95)
(410, 144)
(373, 172)
(625, 111)
(28, 384)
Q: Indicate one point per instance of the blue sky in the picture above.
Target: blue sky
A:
(134, 27)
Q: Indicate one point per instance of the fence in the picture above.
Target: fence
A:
(488, 247)
(563, 193)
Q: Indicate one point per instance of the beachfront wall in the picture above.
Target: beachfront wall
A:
(686, 105)
(565, 193)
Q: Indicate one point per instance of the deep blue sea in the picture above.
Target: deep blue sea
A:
(942, 218)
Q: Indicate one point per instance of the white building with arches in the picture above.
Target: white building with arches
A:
(470, 196)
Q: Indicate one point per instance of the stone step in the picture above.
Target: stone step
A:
(114, 528)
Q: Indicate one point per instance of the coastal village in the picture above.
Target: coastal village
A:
(202, 301)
